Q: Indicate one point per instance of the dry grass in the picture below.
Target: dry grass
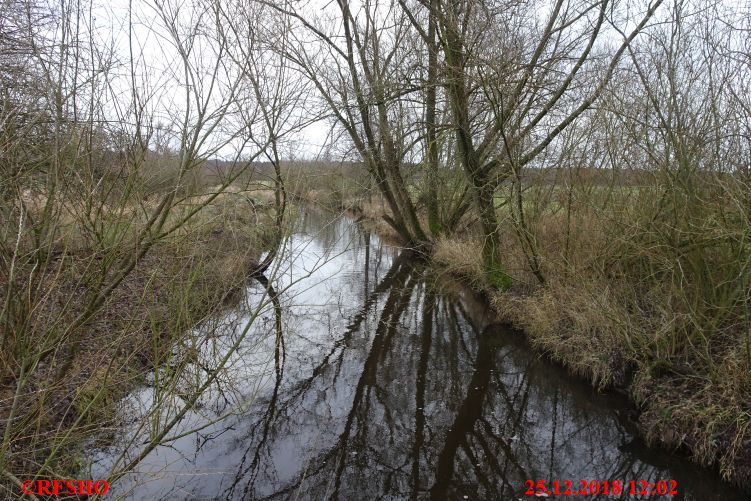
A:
(585, 327)
(371, 214)
(183, 279)
(461, 257)
(705, 412)
(652, 304)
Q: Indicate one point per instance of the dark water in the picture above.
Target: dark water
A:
(387, 382)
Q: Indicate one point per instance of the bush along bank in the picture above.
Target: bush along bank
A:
(183, 280)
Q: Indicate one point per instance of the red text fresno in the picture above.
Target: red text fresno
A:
(64, 486)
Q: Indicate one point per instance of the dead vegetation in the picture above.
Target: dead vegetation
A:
(184, 279)
(461, 257)
(640, 295)
(651, 298)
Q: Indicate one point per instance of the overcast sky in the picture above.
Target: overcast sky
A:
(159, 74)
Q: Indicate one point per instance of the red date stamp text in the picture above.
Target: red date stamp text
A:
(601, 487)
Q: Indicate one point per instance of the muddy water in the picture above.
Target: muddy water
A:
(373, 378)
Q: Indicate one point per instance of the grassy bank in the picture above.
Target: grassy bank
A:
(645, 290)
(185, 277)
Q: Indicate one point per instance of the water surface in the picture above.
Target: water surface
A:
(374, 378)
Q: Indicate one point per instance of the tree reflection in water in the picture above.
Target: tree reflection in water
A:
(390, 383)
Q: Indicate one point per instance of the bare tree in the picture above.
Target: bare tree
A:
(80, 146)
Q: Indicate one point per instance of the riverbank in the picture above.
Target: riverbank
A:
(600, 331)
(183, 279)
(620, 334)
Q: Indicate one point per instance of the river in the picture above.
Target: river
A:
(377, 378)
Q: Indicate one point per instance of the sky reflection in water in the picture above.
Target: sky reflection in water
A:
(389, 383)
